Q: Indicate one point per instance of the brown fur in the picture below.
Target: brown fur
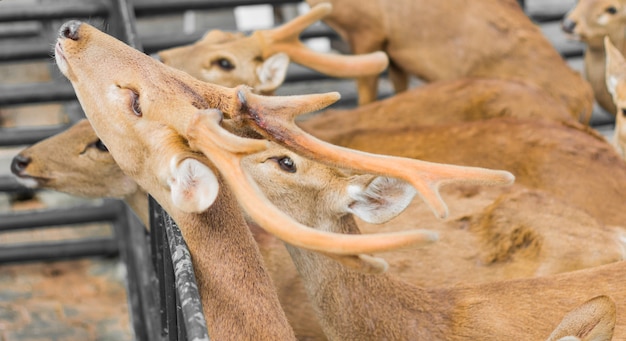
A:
(593, 320)
(565, 160)
(385, 307)
(590, 21)
(454, 39)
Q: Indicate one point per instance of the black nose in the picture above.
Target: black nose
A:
(70, 29)
(568, 26)
(19, 164)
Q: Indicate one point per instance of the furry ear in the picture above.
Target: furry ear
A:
(193, 185)
(380, 199)
(593, 320)
(272, 72)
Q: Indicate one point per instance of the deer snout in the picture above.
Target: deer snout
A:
(19, 164)
(70, 29)
(568, 26)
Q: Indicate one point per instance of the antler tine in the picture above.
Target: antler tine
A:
(291, 30)
(285, 38)
(277, 124)
(204, 135)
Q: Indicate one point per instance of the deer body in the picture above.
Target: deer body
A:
(383, 306)
(590, 21)
(539, 153)
(489, 39)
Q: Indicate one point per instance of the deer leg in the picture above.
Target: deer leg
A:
(399, 79)
(367, 86)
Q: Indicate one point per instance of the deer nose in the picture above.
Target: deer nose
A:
(19, 164)
(70, 29)
(568, 25)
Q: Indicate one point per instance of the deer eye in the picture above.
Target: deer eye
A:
(285, 163)
(611, 10)
(98, 144)
(224, 64)
(134, 103)
(624, 112)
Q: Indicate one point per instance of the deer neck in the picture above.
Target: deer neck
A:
(353, 305)
(237, 294)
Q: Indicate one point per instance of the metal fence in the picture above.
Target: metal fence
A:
(154, 289)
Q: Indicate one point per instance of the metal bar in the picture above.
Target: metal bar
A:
(59, 250)
(9, 184)
(15, 94)
(169, 285)
(53, 10)
(148, 7)
(186, 287)
(27, 136)
(108, 211)
(157, 238)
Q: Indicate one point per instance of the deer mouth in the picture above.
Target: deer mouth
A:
(60, 57)
(31, 181)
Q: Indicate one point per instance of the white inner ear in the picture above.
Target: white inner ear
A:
(381, 200)
(193, 185)
(272, 72)
(611, 84)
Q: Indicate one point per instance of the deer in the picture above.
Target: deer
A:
(615, 80)
(231, 59)
(131, 112)
(589, 22)
(486, 39)
(383, 306)
(260, 59)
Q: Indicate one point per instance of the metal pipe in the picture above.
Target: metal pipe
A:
(59, 250)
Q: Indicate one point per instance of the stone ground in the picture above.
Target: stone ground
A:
(86, 299)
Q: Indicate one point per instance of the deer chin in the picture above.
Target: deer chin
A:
(30, 181)
(60, 59)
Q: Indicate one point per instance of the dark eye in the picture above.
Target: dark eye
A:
(285, 163)
(224, 63)
(134, 102)
(611, 10)
(98, 144)
(624, 112)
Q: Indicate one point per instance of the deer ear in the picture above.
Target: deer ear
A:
(592, 320)
(615, 66)
(380, 199)
(272, 72)
(193, 185)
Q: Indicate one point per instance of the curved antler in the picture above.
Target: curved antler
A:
(271, 118)
(285, 38)
(225, 151)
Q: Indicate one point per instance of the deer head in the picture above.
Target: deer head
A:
(261, 59)
(616, 85)
(591, 20)
(142, 110)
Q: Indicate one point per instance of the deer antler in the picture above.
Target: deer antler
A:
(225, 151)
(270, 118)
(285, 39)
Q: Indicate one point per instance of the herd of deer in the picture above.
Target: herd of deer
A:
(200, 131)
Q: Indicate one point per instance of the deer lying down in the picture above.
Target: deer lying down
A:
(590, 21)
(616, 85)
(142, 112)
(493, 246)
(383, 307)
(571, 162)
(455, 39)
(260, 60)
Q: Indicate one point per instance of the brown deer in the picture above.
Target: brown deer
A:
(590, 21)
(570, 161)
(260, 60)
(454, 39)
(382, 306)
(142, 113)
(615, 83)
